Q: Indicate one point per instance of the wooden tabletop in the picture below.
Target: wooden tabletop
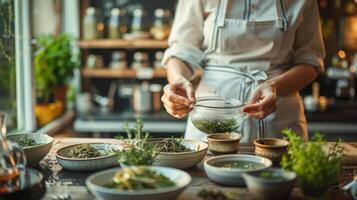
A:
(73, 182)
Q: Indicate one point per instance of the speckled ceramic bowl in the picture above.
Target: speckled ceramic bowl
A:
(34, 154)
(271, 148)
(88, 164)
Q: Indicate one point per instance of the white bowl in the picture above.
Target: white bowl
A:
(232, 176)
(87, 164)
(34, 154)
(96, 181)
(183, 160)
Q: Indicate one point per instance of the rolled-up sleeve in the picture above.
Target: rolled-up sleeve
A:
(309, 47)
(186, 37)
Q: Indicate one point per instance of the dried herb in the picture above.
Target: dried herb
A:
(173, 145)
(209, 194)
(138, 178)
(316, 168)
(138, 150)
(26, 142)
(85, 151)
(215, 126)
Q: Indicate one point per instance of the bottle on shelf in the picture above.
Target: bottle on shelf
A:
(139, 26)
(117, 23)
(162, 25)
(93, 27)
(141, 61)
(118, 60)
(158, 58)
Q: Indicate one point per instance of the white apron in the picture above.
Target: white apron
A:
(232, 36)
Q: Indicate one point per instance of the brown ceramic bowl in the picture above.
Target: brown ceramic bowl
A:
(271, 148)
(224, 143)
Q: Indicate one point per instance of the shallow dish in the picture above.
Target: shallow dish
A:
(271, 148)
(88, 164)
(273, 183)
(233, 176)
(34, 154)
(224, 143)
(96, 181)
(184, 159)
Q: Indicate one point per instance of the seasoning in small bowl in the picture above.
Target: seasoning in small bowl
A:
(224, 143)
(271, 148)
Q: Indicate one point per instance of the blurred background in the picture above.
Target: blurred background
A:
(84, 67)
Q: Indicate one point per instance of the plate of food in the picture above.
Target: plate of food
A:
(138, 183)
(228, 169)
(179, 153)
(88, 156)
(35, 145)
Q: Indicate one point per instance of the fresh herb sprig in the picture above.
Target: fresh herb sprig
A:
(172, 145)
(317, 169)
(138, 150)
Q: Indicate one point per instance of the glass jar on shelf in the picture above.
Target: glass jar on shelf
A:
(139, 25)
(158, 58)
(162, 24)
(117, 23)
(141, 61)
(93, 27)
(118, 60)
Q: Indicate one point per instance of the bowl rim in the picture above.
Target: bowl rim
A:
(50, 139)
(257, 178)
(184, 153)
(238, 103)
(82, 159)
(256, 143)
(216, 158)
(224, 140)
(103, 189)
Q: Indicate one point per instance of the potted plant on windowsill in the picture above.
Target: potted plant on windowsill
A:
(55, 62)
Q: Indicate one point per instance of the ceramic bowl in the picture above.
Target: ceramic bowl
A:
(272, 183)
(88, 164)
(233, 176)
(224, 143)
(34, 154)
(96, 181)
(271, 148)
(185, 159)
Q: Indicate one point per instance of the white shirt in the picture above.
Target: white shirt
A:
(193, 24)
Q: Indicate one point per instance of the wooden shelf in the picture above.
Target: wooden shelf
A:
(125, 44)
(127, 73)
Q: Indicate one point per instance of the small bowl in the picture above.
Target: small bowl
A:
(34, 154)
(88, 164)
(182, 160)
(271, 148)
(96, 181)
(232, 176)
(224, 143)
(277, 183)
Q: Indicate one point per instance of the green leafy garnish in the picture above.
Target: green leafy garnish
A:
(173, 145)
(215, 126)
(138, 150)
(209, 194)
(87, 151)
(26, 142)
(138, 178)
(316, 168)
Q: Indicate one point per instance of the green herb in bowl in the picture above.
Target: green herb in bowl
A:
(215, 126)
(172, 145)
(139, 178)
(209, 194)
(86, 151)
(271, 176)
(27, 142)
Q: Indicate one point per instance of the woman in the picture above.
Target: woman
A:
(258, 51)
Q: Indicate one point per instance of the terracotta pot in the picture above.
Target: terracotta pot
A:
(45, 113)
(271, 148)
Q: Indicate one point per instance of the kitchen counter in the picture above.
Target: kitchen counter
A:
(77, 190)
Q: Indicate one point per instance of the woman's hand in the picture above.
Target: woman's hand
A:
(179, 97)
(263, 101)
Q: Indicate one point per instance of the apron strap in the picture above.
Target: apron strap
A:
(282, 20)
(218, 23)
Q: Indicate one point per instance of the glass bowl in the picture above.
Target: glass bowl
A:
(217, 115)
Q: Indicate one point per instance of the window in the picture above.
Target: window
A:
(8, 62)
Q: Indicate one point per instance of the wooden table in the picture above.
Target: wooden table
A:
(77, 190)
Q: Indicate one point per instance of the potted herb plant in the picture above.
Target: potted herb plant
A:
(55, 62)
(317, 168)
